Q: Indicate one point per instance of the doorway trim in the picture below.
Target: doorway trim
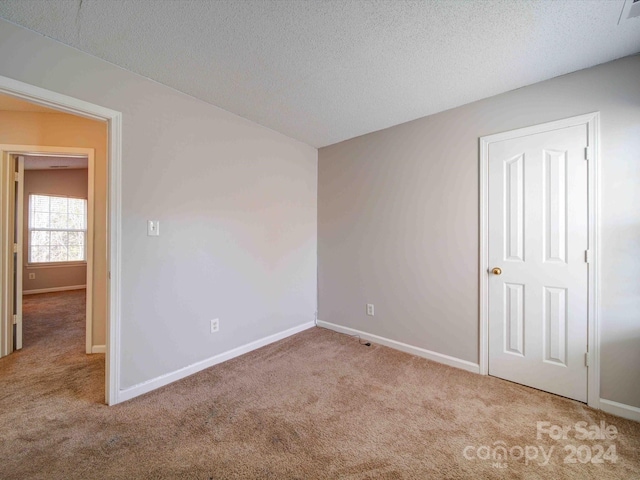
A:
(6, 152)
(74, 106)
(592, 122)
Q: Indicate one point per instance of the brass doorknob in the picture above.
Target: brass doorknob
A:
(497, 271)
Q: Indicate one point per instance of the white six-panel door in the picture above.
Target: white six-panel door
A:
(538, 235)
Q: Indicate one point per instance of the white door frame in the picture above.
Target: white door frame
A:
(592, 121)
(6, 152)
(74, 106)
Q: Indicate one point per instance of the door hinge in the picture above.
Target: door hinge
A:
(15, 319)
(15, 248)
(587, 256)
(586, 359)
(16, 176)
(587, 153)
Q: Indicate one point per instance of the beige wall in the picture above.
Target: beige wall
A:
(398, 220)
(69, 183)
(62, 130)
(237, 205)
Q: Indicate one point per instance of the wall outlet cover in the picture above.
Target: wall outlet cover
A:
(215, 325)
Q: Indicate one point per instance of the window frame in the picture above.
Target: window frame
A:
(68, 263)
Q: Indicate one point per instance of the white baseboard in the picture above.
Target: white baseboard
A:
(420, 352)
(620, 409)
(161, 381)
(99, 349)
(54, 289)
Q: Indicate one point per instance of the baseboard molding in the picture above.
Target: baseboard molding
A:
(99, 349)
(420, 352)
(53, 289)
(620, 409)
(161, 381)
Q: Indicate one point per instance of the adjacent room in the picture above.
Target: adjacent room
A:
(305, 239)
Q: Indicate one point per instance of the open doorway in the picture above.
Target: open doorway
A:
(50, 219)
(111, 208)
(56, 221)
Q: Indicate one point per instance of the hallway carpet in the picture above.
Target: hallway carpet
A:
(313, 406)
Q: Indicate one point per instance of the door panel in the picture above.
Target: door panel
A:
(555, 206)
(514, 208)
(538, 235)
(555, 326)
(17, 257)
(514, 318)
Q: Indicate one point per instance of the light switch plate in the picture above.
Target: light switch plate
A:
(153, 228)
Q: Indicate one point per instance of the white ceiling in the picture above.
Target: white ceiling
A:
(326, 71)
(51, 162)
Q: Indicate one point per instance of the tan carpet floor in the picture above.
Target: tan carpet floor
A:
(313, 406)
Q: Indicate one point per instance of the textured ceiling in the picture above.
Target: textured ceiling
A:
(325, 71)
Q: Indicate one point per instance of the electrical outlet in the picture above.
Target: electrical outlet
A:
(32, 276)
(215, 325)
(370, 310)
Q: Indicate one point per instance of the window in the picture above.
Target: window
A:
(57, 229)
